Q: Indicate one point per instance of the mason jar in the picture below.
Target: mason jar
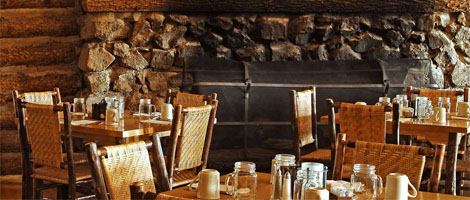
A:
(283, 163)
(365, 183)
(244, 181)
(298, 184)
(312, 178)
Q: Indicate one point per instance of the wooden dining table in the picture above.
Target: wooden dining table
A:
(448, 133)
(130, 128)
(264, 192)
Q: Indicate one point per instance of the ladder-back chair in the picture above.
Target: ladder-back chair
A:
(43, 98)
(43, 153)
(304, 126)
(190, 140)
(187, 99)
(116, 167)
(392, 158)
(434, 95)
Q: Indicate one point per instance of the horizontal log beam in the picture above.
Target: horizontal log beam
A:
(293, 6)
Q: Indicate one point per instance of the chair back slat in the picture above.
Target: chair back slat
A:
(189, 100)
(44, 98)
(192, 137)
(43, 129)
(364, 123)
(124, 165)
(304, 117)
(389, 158)
(434, 95)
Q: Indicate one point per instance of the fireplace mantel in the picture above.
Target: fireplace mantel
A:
(290, 6)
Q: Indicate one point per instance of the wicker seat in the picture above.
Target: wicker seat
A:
(392, 158)
(304, 126)
(189, 143)
(117, 167)
(42, 142)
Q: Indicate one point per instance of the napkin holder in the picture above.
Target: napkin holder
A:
(99, 110)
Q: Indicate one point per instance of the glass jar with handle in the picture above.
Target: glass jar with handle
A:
(244, 181)
(146, 109)
(365, 183)
(79, 109)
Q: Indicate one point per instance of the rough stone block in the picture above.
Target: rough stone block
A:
(463, 35)
(437, 39)
(104, 26)
(365, 42)
(252, 53)
(94, 57)
(461, 75)
(178, 18)
(141, 34)
(300, 29)
(211, 39)
(416, 51)
(385, 52)
(316, 52)
(273, 27)
(237, 38)
(17, 23)
(162, 59)
(134, 60)
(285, 51)
(346, 53)
(395, 38)
(223, 52)
(221, 23)
(170, 36)
(197, 25)
(188, 49)
(38, 50)
(98, 81)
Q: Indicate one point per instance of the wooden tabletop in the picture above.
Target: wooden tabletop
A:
(129, 127)
(264, 192)
(433, 131)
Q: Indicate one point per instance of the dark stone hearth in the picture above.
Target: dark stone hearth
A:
(252, 53)
(395, 38)
(237, 38)
(273, 28)
(285, 51)
(211, 39)
(300, 29)
(365, 42)
(352, 25)
(404, 25)
(188, 49)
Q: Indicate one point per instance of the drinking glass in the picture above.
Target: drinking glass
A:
(146, 109)
(244, 181)
(365, 183)
(420, 107)
(429, 110)
(447, 105)
(79, 110)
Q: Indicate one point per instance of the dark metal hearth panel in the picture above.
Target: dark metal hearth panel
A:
(254, 96)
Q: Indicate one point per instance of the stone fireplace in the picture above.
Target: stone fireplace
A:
(137, 49)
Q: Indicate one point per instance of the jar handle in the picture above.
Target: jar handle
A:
(380, 185)
(414, 190)
(192, 182)
(227, 181)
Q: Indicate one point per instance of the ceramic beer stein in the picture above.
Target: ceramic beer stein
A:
(439, 115)
(209, 184)
(396, 187)
(167, 111)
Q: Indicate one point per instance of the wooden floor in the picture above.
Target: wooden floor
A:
(10, 188)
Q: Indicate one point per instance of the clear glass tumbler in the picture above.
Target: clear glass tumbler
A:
(244, 181)
(365, 183)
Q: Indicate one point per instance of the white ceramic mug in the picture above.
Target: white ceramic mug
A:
(396, 187)
(462, 109)
(167, 111)
(361, 103)
(209, 184)
(439, 115)
(317, 194)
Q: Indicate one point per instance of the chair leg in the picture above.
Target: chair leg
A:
(38, 184)
(62, 191)
(27, 186)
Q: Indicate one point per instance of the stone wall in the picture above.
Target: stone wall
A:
(141, 54)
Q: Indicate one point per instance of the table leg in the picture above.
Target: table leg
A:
(451, 164)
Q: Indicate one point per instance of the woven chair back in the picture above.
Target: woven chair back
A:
(195, 122)
(124, 165)
(44, 98)
(303, 113)
(43, 129)
(364, 123)
(390, 158)
(434, 95)
(189, 100)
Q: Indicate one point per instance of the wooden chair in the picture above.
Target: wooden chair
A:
(364, 123)
(190, 141)
(434, 95)
(44, 98)
(43, 154)
(392, 158)
(116, 167)
(188, 100)
(304, 126)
